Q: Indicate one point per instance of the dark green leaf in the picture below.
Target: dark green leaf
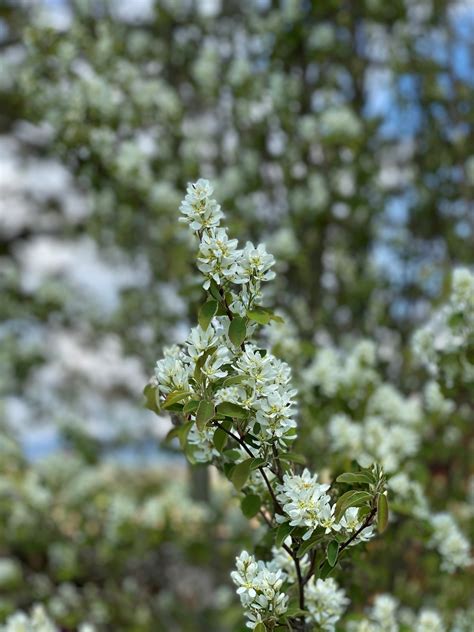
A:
(382, 513)
(257, 462)
(241, 473)
(326, 570)
(228, 409)
(207, 313)
(237, 331)
(205, 412)
(234, 379)
(232, 455)
(282, 533)
(190, 406)
(307, 545)
(219, 439)
(250, 505)
(332, 552)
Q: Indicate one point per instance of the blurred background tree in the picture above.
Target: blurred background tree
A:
(338, 132)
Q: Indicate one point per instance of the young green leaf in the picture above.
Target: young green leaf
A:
(190, 406)
(174, 397)
(205, 412)
(250, 505)
(228, 409)
(382, 513)
(183, 432)
(151, 398)
(332, 552)
(241, 473)
(207, 313)
(355, 477)
(237, 330)
(293, 457)
(352, 498)
(259, 315)
(260, 627)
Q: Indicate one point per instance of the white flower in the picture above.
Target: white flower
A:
(429, 621)
(200, 340)
(172, 373)
(255, 264)
(259, 588)
(449, 542)
(200, 211)
(325, 602)
(306, 503)
(218, 256)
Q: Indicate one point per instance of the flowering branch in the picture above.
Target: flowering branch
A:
(223, 386)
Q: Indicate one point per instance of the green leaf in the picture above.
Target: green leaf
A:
(259, 315)
(228, 409)
(355, 477)
(214, 290)
(250, 505)
(282, 533)
(306, 545)
(151, 395)
(260, 627)
(332, 552)
(352, 498)
(293, 457)
(174, 397)
(326, 570)
(183, 432)
(257, 462)
(205, 412)
(207, 313)
(237, 330)
(232, 455)
(234, 379)
(219, 439)
(382, 513)
(241, 473)
(190, 406)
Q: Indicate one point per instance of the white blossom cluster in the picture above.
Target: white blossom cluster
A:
(326, 602)
(261, 586)
(334, 372)
(306, 504)
(450, 542)
(387, 435)
(38, 621)
(386, 615)
(259, 589)
(443, 343)
(260, 383)
(219, 258)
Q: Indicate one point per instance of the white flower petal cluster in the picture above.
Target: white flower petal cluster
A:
(326, 602)
(350, 522)
(443, 343)
(259, 588)
(173, 371)
(219, 258)
(306, 503)
(373, 439)
(198, 208)
(450, 542)
(429, 621)
(334, 372)
(385, 615)
(435, 401)
(37, 621)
